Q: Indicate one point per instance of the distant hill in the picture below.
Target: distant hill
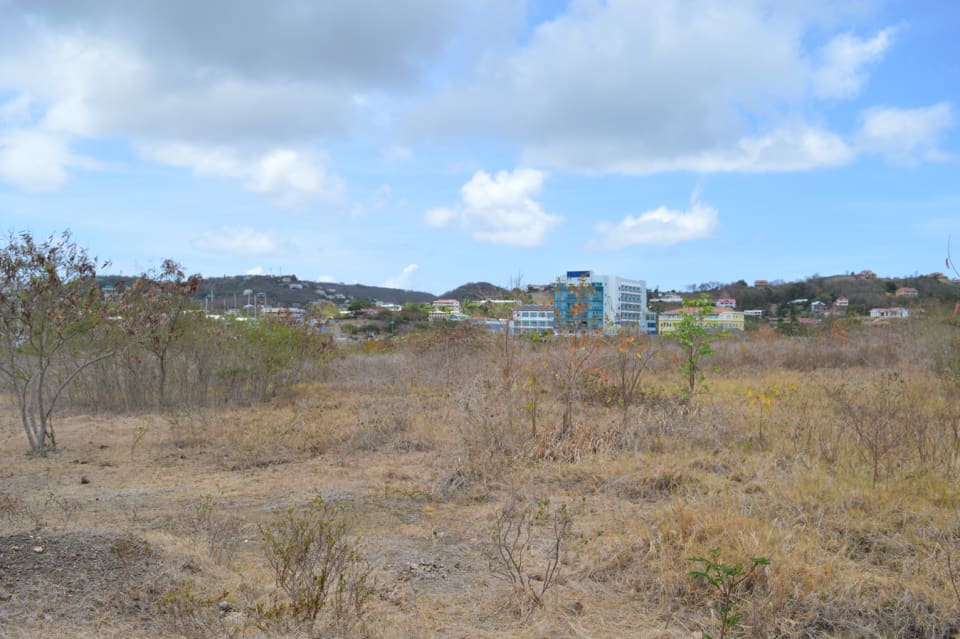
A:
(235, 291)
(863, 291)
(477, 291)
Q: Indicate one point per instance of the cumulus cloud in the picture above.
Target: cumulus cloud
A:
(662, 227)
(237, 241)
(636, 88)
(291, 175)
(841, 74)
(327, 278)
(440, 217)
(905, 135)
(37, 161)
(500, 209)
(404, 279)
(256, 270)
(789, 148)
(272, 76)
(288, 175)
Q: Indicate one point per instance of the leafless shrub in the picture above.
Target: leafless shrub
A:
(379, 421)
(186, 612)
(878, 412)
(217, 524)
(491, 435)
(11, 507)
(529, 540)
(319, 569)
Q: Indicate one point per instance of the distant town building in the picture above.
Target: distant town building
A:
(759, 283)
(584, 300)
(726, 302)
(283, 314)
(720, 319)
(894, 312)
(450, 306)
(906, 291)
(533, 318)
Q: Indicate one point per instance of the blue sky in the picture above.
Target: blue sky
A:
(426, 144)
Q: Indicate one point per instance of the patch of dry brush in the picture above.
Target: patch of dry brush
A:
(846, 480)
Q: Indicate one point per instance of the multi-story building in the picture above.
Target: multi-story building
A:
(720, 319)
(448, 306)
(896, 311)
(591, 302)
(532, 318)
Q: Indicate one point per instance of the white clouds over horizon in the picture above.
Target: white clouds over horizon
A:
(659, 227)
(638, 89)
(906, 135)
(237, 241)
(284, 75)
(404, 279)
(500, 209)
(602, 87)
(841, 74)
(36, 161)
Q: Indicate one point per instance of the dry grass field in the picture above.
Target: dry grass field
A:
(835, 457)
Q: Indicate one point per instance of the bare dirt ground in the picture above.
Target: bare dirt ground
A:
(149, 526)
(95, 536)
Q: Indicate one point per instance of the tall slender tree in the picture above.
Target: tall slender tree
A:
(50, 307)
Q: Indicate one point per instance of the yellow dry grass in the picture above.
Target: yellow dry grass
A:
(421, 453)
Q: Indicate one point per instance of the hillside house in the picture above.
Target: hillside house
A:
(726, 302)
(446, 306)
(720, 319)
(896, 312)
(906, 291)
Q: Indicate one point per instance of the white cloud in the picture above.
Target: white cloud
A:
(37, 161)
(905, 135)
(151, 74)
(841, 74)
(404, 279)
(237, 241)
(500, 209)
(256, 270)
(15, 112)
(791, 148)
(661, 226)
(327, 278)
(290, 176)
(440, 217)
(629, 87)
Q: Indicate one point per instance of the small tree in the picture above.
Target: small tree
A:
(631, 358)
(49, 307)
(694, 337)
(152, 309)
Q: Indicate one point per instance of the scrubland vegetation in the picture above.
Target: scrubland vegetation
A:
(458, 483)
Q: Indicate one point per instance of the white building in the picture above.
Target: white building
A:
(896, 311)
(532, 318)
(450, 306)
(588, 301)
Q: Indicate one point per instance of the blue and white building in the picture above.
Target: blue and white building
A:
(586, 301)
